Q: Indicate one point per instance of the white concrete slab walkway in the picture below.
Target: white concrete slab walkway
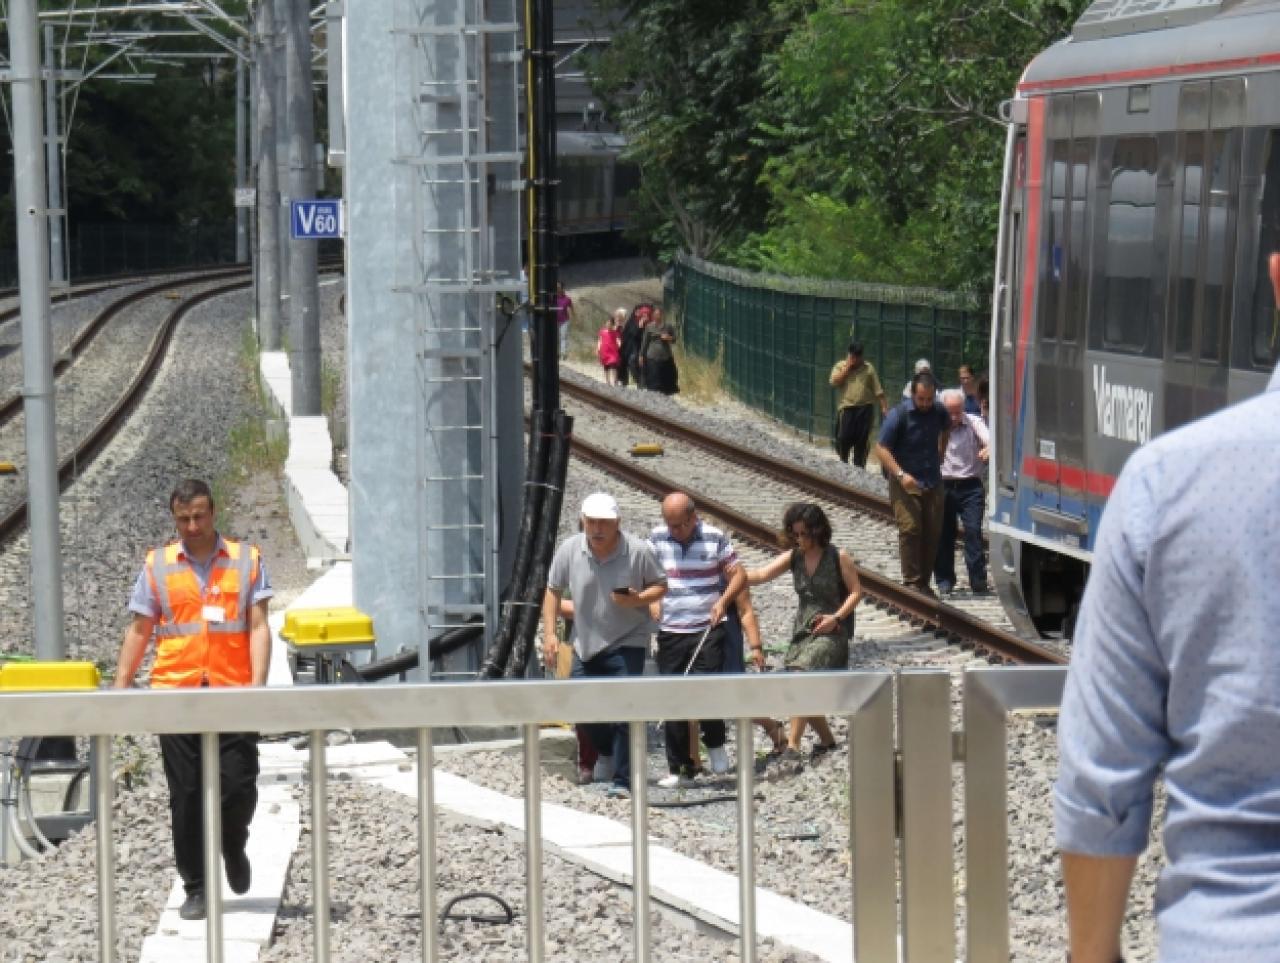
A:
(600, 845)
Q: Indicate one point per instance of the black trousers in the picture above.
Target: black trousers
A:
(238, 755)
(853, 433)
(675, 650)
(966, 498)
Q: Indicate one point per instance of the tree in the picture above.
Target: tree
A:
(880, 119)
(155, 153)
(681, 77)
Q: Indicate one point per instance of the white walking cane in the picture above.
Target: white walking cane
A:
(697, 649)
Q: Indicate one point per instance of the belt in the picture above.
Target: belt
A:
(957, 482)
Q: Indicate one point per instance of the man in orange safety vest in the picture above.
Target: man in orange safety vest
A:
(204, 598)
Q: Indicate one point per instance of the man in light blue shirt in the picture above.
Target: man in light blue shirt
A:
(1175, 674)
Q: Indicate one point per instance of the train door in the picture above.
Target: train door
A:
(1009, 307)
(1063, 303)
(1202, 268)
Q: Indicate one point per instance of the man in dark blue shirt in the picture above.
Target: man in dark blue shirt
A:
(913, 440)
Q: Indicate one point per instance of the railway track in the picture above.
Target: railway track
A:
(751, 489)
(911, 605)
(790, 473)
(88, 445)
(77, 452)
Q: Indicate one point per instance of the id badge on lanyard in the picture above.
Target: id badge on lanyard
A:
(211, 610)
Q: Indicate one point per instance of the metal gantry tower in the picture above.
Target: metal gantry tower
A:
(432, 175)
(459, 155)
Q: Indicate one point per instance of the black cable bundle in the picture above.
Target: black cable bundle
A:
(440, 646)
(534, 491)
(548, 529)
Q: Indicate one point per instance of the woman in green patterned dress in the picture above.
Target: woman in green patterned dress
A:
(827, 586)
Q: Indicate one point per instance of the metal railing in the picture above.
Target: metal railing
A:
(990, 695)
(864, 698)
(900, 799)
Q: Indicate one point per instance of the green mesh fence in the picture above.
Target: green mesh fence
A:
(779, 336)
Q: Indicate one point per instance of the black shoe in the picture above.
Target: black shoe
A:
(979, 588)
(193, 907)
(239, 872)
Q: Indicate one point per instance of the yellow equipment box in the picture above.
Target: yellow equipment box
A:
(48, 676)
(646, 450)
(344, 627)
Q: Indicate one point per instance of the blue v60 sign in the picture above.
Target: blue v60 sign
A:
(314, 220)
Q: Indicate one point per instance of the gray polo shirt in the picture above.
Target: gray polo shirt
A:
(599, 622)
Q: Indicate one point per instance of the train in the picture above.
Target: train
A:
(593, 201)
(1137, 272)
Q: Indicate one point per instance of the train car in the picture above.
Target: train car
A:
(593, 199)
(1139, 239)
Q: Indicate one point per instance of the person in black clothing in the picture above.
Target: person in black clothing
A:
(657, 356)
(632, 332)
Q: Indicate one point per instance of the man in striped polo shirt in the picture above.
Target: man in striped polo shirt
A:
(698, 560)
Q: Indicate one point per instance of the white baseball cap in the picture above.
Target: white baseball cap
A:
(599, 505)
(923, 365)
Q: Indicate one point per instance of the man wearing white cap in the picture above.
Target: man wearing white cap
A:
(612, 578)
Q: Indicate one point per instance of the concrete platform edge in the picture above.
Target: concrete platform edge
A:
(318, 504)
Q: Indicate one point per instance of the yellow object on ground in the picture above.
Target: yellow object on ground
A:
(342, 626)
(646, 450)
(48, 676)
(8, 468)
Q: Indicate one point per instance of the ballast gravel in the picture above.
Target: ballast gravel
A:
(376, 913)
(118, 509)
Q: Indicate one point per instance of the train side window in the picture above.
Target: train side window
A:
(1264, 309)
(1129, 259)
(1187, 246)
(1055, 262)
(1220, 238)
(1077, 275)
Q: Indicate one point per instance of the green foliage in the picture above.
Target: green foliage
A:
(844, 139)
(881, 121)
(160, 152)
(682, 77)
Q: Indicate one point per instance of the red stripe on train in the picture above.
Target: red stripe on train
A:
(1068, 476)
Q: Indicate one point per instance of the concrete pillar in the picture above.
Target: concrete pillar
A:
(53, 166)
(37, 337)
(269, 326)
(304, 292)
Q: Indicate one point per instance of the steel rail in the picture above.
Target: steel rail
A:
(947, 619)
(93, 443)
(12, 406)
(191, 276)
(786, 471)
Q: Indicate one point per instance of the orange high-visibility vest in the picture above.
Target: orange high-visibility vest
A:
(193, 647)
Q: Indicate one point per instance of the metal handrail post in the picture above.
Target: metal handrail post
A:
(871, 828)
(533, 842)
(746, 843)
(427, 844)
(989, 695)
(102, 793)
(639, 752)
(320, 844)
(211, 790)
(928, 903)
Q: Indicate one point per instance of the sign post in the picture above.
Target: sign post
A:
(315, 220)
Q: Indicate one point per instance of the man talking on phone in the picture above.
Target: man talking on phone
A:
(612, 578)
